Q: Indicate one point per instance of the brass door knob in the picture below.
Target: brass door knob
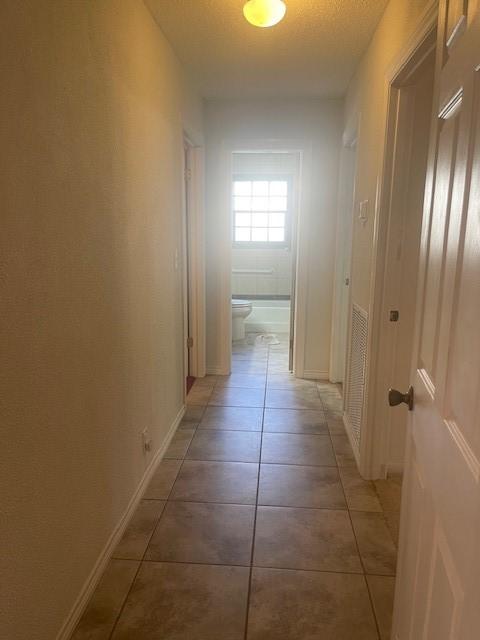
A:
(396, 397)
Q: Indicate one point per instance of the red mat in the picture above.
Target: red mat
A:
(190, 381)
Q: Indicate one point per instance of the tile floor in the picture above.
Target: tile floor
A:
(256, 525)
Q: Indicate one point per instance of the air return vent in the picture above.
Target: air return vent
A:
(356, 373)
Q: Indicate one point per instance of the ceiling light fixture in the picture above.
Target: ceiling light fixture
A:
(264, 13)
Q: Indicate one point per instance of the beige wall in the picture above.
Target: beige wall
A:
(366, 103)
(316, 124)
(91, 134)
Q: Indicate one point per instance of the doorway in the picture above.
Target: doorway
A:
(264, 203)
(380, 439)
(411, 99)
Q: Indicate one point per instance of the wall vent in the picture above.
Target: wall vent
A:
(356, 372)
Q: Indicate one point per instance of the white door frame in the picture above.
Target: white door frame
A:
(343, 256)
(304, 150)
(194, 255)
(372, 442)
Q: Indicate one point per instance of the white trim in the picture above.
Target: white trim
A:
(341, 302)
(217, 371)
(315, 374)
(301, 267)
(427, 21)
(196, 258)
(91, 582)
(184, 270)
(223, 367)
(372, 452)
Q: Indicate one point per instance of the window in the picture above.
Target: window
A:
(260, 211)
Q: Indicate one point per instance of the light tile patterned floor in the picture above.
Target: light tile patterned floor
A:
(257, 524)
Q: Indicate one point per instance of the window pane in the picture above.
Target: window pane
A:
(259, 203)
(277, 203)
(242, 234)
(242, 220)
(276, 235)
(259, 219)
(259, 210)
(278, 188)
(259, 235)
(260, 188)
(277, 219)
(241, 203)
(242, 188)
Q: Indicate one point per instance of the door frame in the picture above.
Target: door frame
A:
(343, 256)
(193, 262)
(300, 272)
(373, 442)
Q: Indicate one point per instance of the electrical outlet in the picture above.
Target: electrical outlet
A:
(146, 440)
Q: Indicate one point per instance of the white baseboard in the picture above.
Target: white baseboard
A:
(315, 374)
(216, 371)
(102, 561)
(334, 380)
(395, 468)
(267, 327)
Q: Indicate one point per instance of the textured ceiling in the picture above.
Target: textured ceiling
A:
(312, 52)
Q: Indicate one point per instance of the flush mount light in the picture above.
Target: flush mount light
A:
(264, 13)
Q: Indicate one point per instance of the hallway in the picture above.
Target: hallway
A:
(222, 547)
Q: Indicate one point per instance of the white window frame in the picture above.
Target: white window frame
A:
(269, 244)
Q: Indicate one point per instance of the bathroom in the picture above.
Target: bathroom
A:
(263, 245)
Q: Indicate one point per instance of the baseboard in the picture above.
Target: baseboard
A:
(267, 327)
(102, 561)
(315, 374)
(394, 468)
(216, 371)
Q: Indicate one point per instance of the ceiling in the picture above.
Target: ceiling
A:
(312, 52)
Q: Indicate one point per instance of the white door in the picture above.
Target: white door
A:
(438, 585)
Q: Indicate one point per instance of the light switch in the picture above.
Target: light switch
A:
(363, 210)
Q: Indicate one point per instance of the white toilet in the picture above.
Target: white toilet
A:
(241, 309)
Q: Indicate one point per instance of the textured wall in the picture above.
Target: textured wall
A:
(91, 148)
(316, 124)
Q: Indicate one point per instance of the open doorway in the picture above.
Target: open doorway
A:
(411, 100)
(384, 332)
(264, 203)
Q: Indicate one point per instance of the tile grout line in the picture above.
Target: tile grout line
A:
(377, 627)
(251, 566)
(249, 590)
(142, 559)
(262, 566)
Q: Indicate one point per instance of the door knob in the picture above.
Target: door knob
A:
(397, 397)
